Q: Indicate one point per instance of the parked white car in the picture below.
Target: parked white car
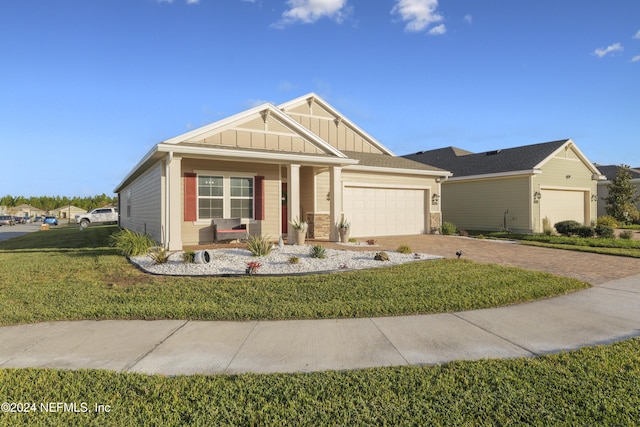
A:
(98, 216)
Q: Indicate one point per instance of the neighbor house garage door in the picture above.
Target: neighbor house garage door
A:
(384, 211)
(560, 205)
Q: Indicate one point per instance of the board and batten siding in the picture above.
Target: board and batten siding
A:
(482, 204)
(201, 232)
(141, 204)
(566, 172)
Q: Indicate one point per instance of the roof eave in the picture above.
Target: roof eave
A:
(526, 172)
(439, 174)
(258, 156)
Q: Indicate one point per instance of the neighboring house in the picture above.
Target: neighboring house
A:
(25, 210)
(269, 165)
(610, 172)
(68, 212)
(516, 188)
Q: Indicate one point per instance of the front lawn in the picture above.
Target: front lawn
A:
(619, 247)
(69, 274)
(588, 387)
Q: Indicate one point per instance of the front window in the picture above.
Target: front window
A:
(241, 197)
(225, 197)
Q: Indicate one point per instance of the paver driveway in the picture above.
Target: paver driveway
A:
(592, 268)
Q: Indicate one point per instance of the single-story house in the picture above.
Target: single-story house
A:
(68, 212)
(610, 172)
(516, 188)
(25, 210)
(271, 164)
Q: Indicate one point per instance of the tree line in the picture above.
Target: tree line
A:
(49, 203)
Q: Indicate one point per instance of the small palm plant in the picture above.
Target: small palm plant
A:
(259, 245)
(318, 251)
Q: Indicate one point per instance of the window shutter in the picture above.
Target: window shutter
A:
(190, 196)
(259, 197)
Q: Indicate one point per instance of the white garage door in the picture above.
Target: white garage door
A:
(560, 205)
(384, 211)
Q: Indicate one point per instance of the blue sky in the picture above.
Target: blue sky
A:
(87, 87)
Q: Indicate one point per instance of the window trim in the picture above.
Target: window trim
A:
(226, 193)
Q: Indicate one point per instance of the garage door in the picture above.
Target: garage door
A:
(384, 211)
(559, 205)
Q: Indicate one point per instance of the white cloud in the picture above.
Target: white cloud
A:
(601, 52)
(637, 36)
(635, 58)
(468, 19)
(309, 11)
(438, 30)
(419, 14)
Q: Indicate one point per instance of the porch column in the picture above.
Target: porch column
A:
(335, 204)
(293, 201)
(173, 218)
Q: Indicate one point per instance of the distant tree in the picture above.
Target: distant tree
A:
(622, 197)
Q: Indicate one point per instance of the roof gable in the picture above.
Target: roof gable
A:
(264, 127)
(332, 126)
(509, 160)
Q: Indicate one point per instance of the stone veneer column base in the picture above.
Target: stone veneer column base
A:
(319, 226)
(435, 222)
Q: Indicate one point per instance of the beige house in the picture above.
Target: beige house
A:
(516, 188)
(68, 212)
(271, 164)
(610, 172)
(25, 210)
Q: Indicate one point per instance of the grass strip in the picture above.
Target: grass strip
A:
(590, 386)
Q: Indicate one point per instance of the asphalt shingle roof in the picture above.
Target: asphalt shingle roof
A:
(387, 161)
(610, 171)
(465, 163)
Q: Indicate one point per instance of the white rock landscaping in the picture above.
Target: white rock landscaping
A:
(233, 261)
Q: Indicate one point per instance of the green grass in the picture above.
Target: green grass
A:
(618, 247)
(61, 279)
(587, 387)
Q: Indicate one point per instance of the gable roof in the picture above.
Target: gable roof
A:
(524, 159)
(289, 105)
(610, 171)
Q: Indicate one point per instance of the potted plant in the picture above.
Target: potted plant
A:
(343, 229)
(300, 228)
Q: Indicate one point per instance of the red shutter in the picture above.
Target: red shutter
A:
(190, 196)
(259, 197)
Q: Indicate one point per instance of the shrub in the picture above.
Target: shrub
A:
(605, 231)
(259, 245)
(567, 228)
(448, 228)
(130, 243)
(463, 233)
(318, 251)
(404, 249)
(585, 231)
(607, 220)
(160, 255)
(294, 260)
(381, 256)
(371, 242)
(188, 256)
(626, 234)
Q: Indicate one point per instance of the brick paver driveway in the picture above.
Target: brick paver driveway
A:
(592, 268)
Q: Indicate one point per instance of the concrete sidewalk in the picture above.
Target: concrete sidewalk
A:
(602, 314)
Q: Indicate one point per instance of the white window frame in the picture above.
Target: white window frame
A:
(226, 192)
